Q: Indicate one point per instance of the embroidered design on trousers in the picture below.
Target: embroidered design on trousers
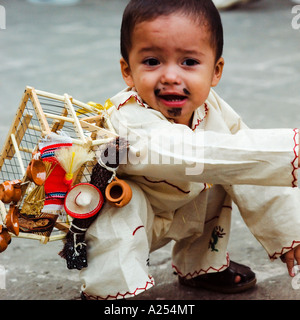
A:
(216, 234)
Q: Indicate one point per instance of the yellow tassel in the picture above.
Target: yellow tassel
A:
(108, 104)
(69, 175)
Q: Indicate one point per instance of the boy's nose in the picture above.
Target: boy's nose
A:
(170, 76)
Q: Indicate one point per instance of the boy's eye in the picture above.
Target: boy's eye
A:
(151, 62)
(190, 62)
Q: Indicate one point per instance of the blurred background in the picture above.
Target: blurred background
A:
(68, 46)
(74, 49)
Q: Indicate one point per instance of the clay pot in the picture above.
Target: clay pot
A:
(7, 191)
(12, 220)
(17, 190)
(10, 191)
(2, 192)
(5, 238)
(118, 193)
(36, 172)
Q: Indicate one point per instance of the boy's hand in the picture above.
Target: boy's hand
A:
(290, 257)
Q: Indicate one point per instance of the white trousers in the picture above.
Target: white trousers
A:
(121, 239)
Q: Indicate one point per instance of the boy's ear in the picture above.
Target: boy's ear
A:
(126, 73)
(218, 72)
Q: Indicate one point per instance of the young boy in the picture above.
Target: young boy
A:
(190, 155)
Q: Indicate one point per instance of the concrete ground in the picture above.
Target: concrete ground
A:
(75, 49)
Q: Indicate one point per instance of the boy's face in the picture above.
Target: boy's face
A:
(172, 65)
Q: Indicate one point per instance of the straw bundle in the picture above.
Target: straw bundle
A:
(34, 201)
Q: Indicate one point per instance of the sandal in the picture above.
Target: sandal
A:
(224, 281)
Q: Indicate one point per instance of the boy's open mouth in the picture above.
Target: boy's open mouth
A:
(170, 99)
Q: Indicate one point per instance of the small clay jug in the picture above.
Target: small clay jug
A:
(6, 192)
(1, 191)
(10, 191)
(5, 238)
(118, 193)
(17, 190)
(12, 220)
(36, 171)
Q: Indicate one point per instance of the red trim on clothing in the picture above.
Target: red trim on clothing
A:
(295, 160)
(122, 295)
(201, 271)
(204, 188)
(164, 181)
(136, 229)
(136, 99)
(200, 120)
(284, 250)
(211, 219)
(142, 104)
(217, 217)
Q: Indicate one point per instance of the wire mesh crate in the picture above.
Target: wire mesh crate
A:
(39, 115)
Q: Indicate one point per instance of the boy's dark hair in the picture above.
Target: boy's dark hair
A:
(203, 11)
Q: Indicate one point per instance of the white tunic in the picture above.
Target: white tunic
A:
(183, 182)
